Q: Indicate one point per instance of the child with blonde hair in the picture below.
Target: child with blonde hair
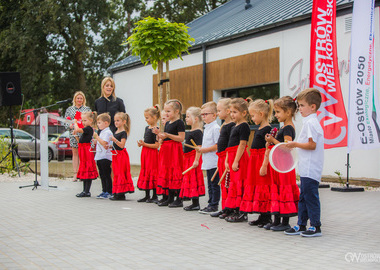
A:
(257, 192)
(223, 112)
(193, 183)
(122, 180)
(87, 168)
(149, 156)
(171, 154)
(237, 159)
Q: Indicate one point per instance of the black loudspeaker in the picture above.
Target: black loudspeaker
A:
(10, 89)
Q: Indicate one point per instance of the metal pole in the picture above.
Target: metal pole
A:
(348, 169)
(204, 81)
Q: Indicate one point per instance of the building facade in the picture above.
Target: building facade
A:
(262, 51)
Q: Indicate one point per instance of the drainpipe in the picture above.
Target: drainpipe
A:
(204, 90)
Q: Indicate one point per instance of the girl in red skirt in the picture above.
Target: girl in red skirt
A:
(223, 112)
(171, 154)
(287, 189)
(193, 182)
(87, 167)
(237, 159)
(257, 196)
(122, 180)
(149, 156)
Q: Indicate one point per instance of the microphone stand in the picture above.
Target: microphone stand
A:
(35, 112)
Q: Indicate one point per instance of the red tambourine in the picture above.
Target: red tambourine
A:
(283, 159)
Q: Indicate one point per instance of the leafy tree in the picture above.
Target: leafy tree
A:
(158, 41)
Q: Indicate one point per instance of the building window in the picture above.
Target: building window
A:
(266, 91)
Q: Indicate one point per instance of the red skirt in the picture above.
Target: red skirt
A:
(221, 168)
(193, 185)
(87, 166)
(237, 179)
(171, 166)
(122, 180)
(260, 191)
(288, 193)
(149, 169)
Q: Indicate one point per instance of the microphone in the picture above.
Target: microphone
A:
(64, 101)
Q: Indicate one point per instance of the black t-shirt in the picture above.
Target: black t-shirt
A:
(119, 136)
(286, 131)
(225, 133)
(87, 135)
(149, 136)
(239, 133)
(112, 106)
(196, 135)
(259, 138)
(174, 128)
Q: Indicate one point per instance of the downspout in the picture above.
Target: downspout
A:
(204, 75)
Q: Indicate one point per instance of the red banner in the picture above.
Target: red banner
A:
(324, 73)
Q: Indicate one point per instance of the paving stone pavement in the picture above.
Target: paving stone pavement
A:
(52, 229)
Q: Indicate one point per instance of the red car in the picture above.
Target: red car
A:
(63, 146)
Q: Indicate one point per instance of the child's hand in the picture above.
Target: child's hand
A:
(162, 135)
(156, 130)
(140, 143)
(227, 166)
(263, 170)
(195, 164)
(235, 166)
(269, 138)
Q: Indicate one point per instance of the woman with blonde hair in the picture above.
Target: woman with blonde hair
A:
(79, 105)
(108, 102)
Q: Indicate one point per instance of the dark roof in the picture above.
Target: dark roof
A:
(232, 20)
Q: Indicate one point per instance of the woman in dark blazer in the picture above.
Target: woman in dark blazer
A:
(108, 102)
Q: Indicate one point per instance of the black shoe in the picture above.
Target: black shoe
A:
(280, 227)
(152, 200)
(192, 207)
(238, 217)
(217, 214)
(117, 197)
(296, 230)
(312, 232)
(208, 210)
(80, 195)
(264, 222)
(269, 226)
(164, 203)
(143, 199)
(83, 194)
(255, 222)
(176, 203)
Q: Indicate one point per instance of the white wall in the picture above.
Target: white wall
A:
(135, 87)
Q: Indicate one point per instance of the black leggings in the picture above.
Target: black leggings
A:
(86, 186)
(104, 166)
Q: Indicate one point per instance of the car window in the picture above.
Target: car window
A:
(64, 134)
(6, 133)
(22, 135)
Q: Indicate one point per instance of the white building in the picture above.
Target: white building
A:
(263, 47)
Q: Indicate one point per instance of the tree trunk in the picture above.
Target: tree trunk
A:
(160, 88)
(168, 83)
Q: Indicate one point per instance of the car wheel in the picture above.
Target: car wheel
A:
(51, 154)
